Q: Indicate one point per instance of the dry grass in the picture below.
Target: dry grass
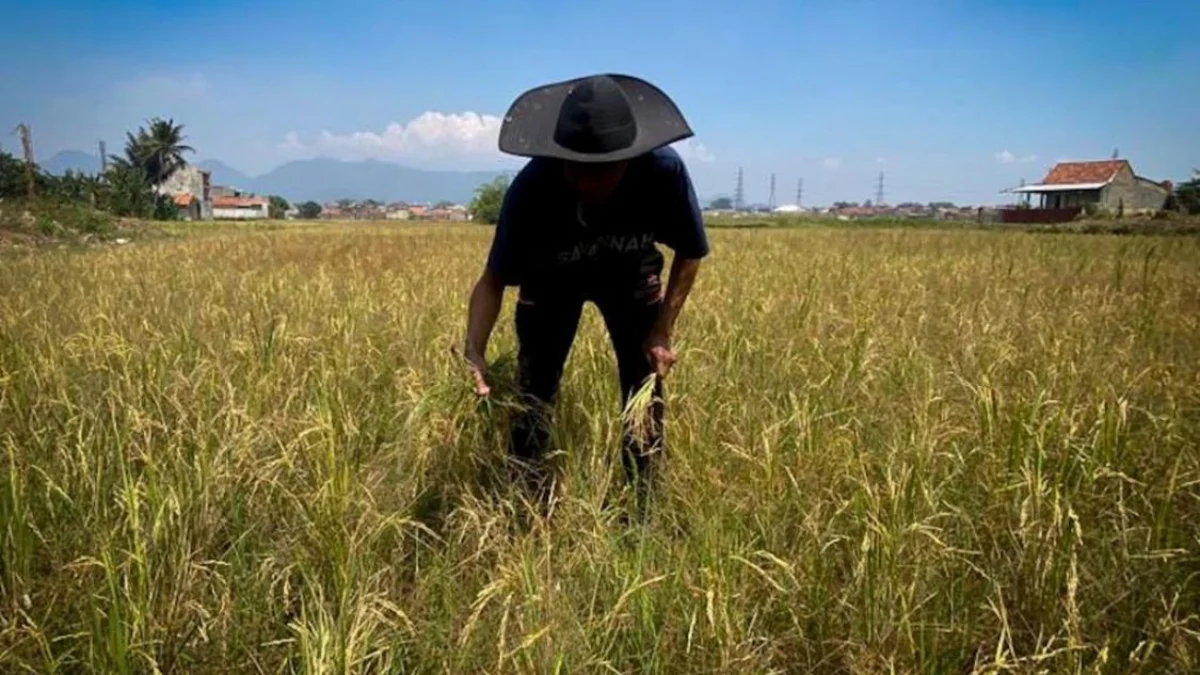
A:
(890, 451)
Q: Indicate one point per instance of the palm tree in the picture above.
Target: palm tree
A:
(159, 150)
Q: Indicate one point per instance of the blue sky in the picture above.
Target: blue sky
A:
(952, 100)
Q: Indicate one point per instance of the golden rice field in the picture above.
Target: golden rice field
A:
(889, 452)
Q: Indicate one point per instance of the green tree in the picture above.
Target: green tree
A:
(128, 191)
(1187, 194)
(277, 207)
(309, 210)
(77, 187)
(157, 150)
(12, 177)
(485, 206)
(721, 204)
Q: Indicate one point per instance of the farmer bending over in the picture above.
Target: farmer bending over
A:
(579, 223)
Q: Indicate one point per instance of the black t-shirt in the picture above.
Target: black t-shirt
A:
(545, 236)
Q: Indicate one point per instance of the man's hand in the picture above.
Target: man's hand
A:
(478, 367)
(658, 350)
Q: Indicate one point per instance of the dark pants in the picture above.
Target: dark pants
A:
(546, 324)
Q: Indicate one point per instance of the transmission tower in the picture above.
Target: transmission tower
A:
(771, 200)
(879, 191)
(103, 159)
(739, 193)
(799, 192)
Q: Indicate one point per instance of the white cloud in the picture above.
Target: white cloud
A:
(291, 141)
(430, 135)
(1006, 157)
(832, 162)
(692, 151)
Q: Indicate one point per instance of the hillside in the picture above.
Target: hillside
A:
(324, 179)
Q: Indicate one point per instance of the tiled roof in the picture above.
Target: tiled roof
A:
(1070, 173)
(184, 199)
(238, 202)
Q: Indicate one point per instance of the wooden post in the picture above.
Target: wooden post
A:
(27, 147)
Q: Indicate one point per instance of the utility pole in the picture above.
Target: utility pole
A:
(800, 192)
(739, 193)
(27, 147)
(879, 191)
(771, 200)
(103, 159)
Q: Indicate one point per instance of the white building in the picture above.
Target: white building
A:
(241, 208)
(192, 181)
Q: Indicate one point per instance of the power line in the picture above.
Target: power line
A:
(103, 159)
(879, 191)
(799, 192)
(771, 200)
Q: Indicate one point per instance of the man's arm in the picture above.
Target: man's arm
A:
(683, 231)
(679, 285)
(486, 300)
(502, 269)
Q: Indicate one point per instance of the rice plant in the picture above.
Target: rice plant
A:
(888, 451)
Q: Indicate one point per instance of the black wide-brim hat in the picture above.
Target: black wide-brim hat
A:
(598, 118)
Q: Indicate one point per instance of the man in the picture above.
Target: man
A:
(579, 223)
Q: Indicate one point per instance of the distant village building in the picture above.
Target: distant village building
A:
(399, 214)
(241, 208)
(188, 207)
(1070, 187)
(195, 183)
(455, 213)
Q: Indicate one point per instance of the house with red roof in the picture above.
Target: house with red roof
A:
(1106, 185)
(188, 206)
(240, 208)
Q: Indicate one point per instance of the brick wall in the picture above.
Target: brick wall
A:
(1137, 195)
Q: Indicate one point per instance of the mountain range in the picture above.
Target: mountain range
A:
(323, 179)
